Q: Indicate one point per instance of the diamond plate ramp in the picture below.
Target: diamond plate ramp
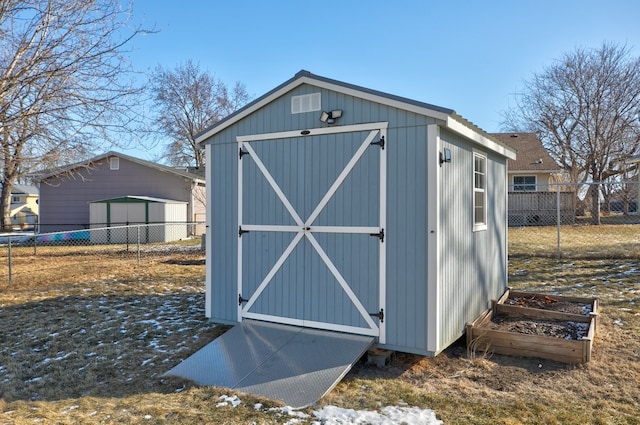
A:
(294, 365)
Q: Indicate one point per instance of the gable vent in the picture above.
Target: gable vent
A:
(305, 103)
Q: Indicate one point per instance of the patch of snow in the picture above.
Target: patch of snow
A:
(618, 322)
(332, 415)
(33, 380)
(146, 362)
(226, 400)
(69, 409)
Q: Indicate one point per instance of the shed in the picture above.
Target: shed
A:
(337, 207)
(165, 220)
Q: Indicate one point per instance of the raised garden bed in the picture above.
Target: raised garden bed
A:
(526, 324)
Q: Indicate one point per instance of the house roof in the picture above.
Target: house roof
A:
(164, 168)
(633, 159)
(531, 154)
(141, 199)
(24, 189)
(447, 116)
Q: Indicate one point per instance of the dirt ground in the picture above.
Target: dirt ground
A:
(548, 302)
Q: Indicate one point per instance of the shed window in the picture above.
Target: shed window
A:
(524, 183)
(479, 192)
(114, 163)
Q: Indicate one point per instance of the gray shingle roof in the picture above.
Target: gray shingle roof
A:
(45, 174)
(531, 155)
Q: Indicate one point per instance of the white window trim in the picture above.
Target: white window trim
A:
(479, 226)
(114, 163)
(535, 183)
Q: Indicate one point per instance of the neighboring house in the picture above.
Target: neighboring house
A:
(534, 170)
(66, 193)
(636, 161)
(24, 206)
(346, 209)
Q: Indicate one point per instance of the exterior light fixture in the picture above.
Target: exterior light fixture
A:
(445, 157)
(330, 117)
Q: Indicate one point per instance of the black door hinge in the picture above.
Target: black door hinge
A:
(241, 232)
(241, 300)
(379, 315)
(379, 235)
(379, 142)
(242, 153)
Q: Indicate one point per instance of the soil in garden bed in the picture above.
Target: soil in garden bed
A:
(564, 330)
(548, 302)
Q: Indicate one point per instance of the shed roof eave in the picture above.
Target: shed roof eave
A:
(459, 125)
(305, 77)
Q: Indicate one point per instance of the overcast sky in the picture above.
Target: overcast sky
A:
(470, 56)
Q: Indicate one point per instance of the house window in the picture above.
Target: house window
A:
(479, 192)
(114, 163)
(15, 199)
(524, 183)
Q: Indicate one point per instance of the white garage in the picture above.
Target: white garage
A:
(160, 220)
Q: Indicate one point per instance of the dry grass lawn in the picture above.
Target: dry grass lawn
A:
(87, 341)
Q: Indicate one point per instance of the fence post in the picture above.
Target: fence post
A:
(138, 244)
(558, 216)
(9, 252)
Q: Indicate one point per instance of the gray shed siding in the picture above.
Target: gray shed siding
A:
(473, 267)
(469, 277)
(406, 200)
(64, 201)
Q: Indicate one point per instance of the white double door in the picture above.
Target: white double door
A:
(311, 214)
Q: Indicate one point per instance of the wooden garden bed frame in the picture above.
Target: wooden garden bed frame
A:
(481, 337)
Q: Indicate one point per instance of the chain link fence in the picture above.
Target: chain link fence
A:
(26, 255)
(575, 220)
(563, 220)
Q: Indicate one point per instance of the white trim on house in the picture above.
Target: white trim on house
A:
(208, 239)
(449, 119)
(434, 147)
(313, 132)
(483, 225)
(384, 100)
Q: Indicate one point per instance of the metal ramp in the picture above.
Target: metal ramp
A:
(294, 365)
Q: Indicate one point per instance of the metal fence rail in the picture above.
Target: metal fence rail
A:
(575, 220)
(563, 220)
(25, 254)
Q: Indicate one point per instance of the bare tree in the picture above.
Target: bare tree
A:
(585, 108)
(187, 101)
(65, 87)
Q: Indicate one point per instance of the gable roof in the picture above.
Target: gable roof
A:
(447, 116)
(24, 189)
(531, 154)
(142, 199)
(46, 174)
